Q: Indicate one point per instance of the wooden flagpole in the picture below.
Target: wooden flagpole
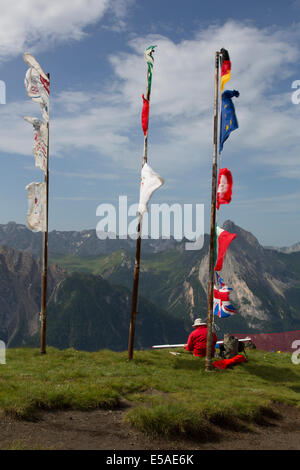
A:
(136, 272)
(45, 255)
(212, 245)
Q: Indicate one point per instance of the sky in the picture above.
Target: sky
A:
(93, 50)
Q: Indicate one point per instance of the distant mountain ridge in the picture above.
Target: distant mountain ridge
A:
(266, 285)
(84, 311)
(86, 242)
(286, 249)
(83, 243)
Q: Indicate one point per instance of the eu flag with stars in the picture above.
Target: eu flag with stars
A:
(228, 118)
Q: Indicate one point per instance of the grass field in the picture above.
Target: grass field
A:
(169, 394)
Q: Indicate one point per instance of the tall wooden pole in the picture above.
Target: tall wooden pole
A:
(136, 272)
(45, 256)
(134, 300)
(212, 245)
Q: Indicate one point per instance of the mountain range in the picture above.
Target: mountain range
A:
(83, 243)
(20, 294)
(91, 281)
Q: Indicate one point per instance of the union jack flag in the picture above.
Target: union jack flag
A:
(222, 304)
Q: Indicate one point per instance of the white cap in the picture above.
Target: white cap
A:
(199, 322)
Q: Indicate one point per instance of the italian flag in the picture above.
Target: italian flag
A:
(222, 243)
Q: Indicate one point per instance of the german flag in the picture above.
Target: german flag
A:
(225, 68)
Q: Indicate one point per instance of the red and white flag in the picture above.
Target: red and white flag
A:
(223, 241)
(150, 182)
(36, 215)
(40, 146)
(224, 191)
(37, 84)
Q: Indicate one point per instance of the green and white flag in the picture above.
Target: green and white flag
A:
(148, 54)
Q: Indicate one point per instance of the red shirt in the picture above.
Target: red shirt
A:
(197, 341)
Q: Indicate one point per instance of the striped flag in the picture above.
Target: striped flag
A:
(225, 68)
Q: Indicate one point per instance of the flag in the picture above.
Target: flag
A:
(228, 118)
(150, 182)
(145, 115)
(221, 286)
(148, 54)
(225, 68)
(37, 84)
(36, 215)
(222, 304)
(224, 363)
(45, 112)
(33, 63)
(224, 191)
(223, 241)
(40, 146)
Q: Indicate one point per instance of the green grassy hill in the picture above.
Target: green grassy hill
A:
(170, 395)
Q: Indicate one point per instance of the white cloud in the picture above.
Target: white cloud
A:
(87, 175)
(31, 24)
(108, 122)
(272, 204)
(182, 93)
(80, 121)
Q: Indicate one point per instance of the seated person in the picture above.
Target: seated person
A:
(197, 339)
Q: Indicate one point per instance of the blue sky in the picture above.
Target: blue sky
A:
(93, 50)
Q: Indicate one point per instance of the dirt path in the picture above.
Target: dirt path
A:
(104, 430)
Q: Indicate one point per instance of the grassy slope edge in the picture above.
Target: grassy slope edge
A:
(170, 395)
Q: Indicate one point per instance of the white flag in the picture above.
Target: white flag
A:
(33, 63)
(150, 182)
(37, 84)
(45, 112)
(36, 215)
(40, 146)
